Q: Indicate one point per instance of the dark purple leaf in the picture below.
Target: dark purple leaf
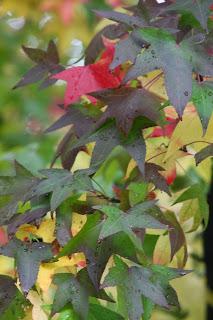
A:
(126, 104)
(28, 257)
(204, 153)
(152, 175)
(131, 21)
(8, 291)
(25, 218)
(127, 49)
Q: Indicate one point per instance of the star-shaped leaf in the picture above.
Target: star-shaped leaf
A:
(47, 62)
(136, 282)
(164, 53)
(76, 291)
(91, 78)
(62, 184)
(126, 104)
(140, 216)
(200, 9)
(15, 189)
(81, 118)
(97, 252)
(28, 257)
(69, 290)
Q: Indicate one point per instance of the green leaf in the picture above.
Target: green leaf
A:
(98, 252)
(14, 190)
(140, 216)
(16, 309)
(199, 8)
(197, 191)
(69, 290)
(97, 312)
(202, 98)
(28, 257)
(204, 153)
(62, 184)
(137, 192)
(137, 282)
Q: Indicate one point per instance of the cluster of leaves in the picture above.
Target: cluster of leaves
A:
(106, 104)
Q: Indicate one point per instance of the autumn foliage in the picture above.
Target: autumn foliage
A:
(143, 100)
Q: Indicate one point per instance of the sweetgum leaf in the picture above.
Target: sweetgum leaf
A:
(202, 98)
(132, 21)
(140, 216)
(98, 253)
(196, 191)
(127, 49)
(80, 117)
(46, 62)
(15, 310)
(26, 218)
(15, 189)
(76, 290)
(91, 78)
(165, 54)
(69, 290)
(108, 137)
(204, 153)
(28, 257)
(97, 312)
(152, 175)
(8, 291)
(62, 184)
(126, 104)
(137, 282)
(176, 235)
(199, 8)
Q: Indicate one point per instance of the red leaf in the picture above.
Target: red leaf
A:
(90, 78)
(3, 237)
(171, 176)
(165, 131)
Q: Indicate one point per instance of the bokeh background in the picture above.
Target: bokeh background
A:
(25, 113)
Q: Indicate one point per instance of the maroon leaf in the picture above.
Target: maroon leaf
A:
(26, 218)
(152, 175)
(127, 49)
(126, 104)
(131, 21)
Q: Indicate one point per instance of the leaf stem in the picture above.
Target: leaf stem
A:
(151, 82)
(157, 155)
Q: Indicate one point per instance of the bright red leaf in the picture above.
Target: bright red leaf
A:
(90, 78)
(165, 131)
